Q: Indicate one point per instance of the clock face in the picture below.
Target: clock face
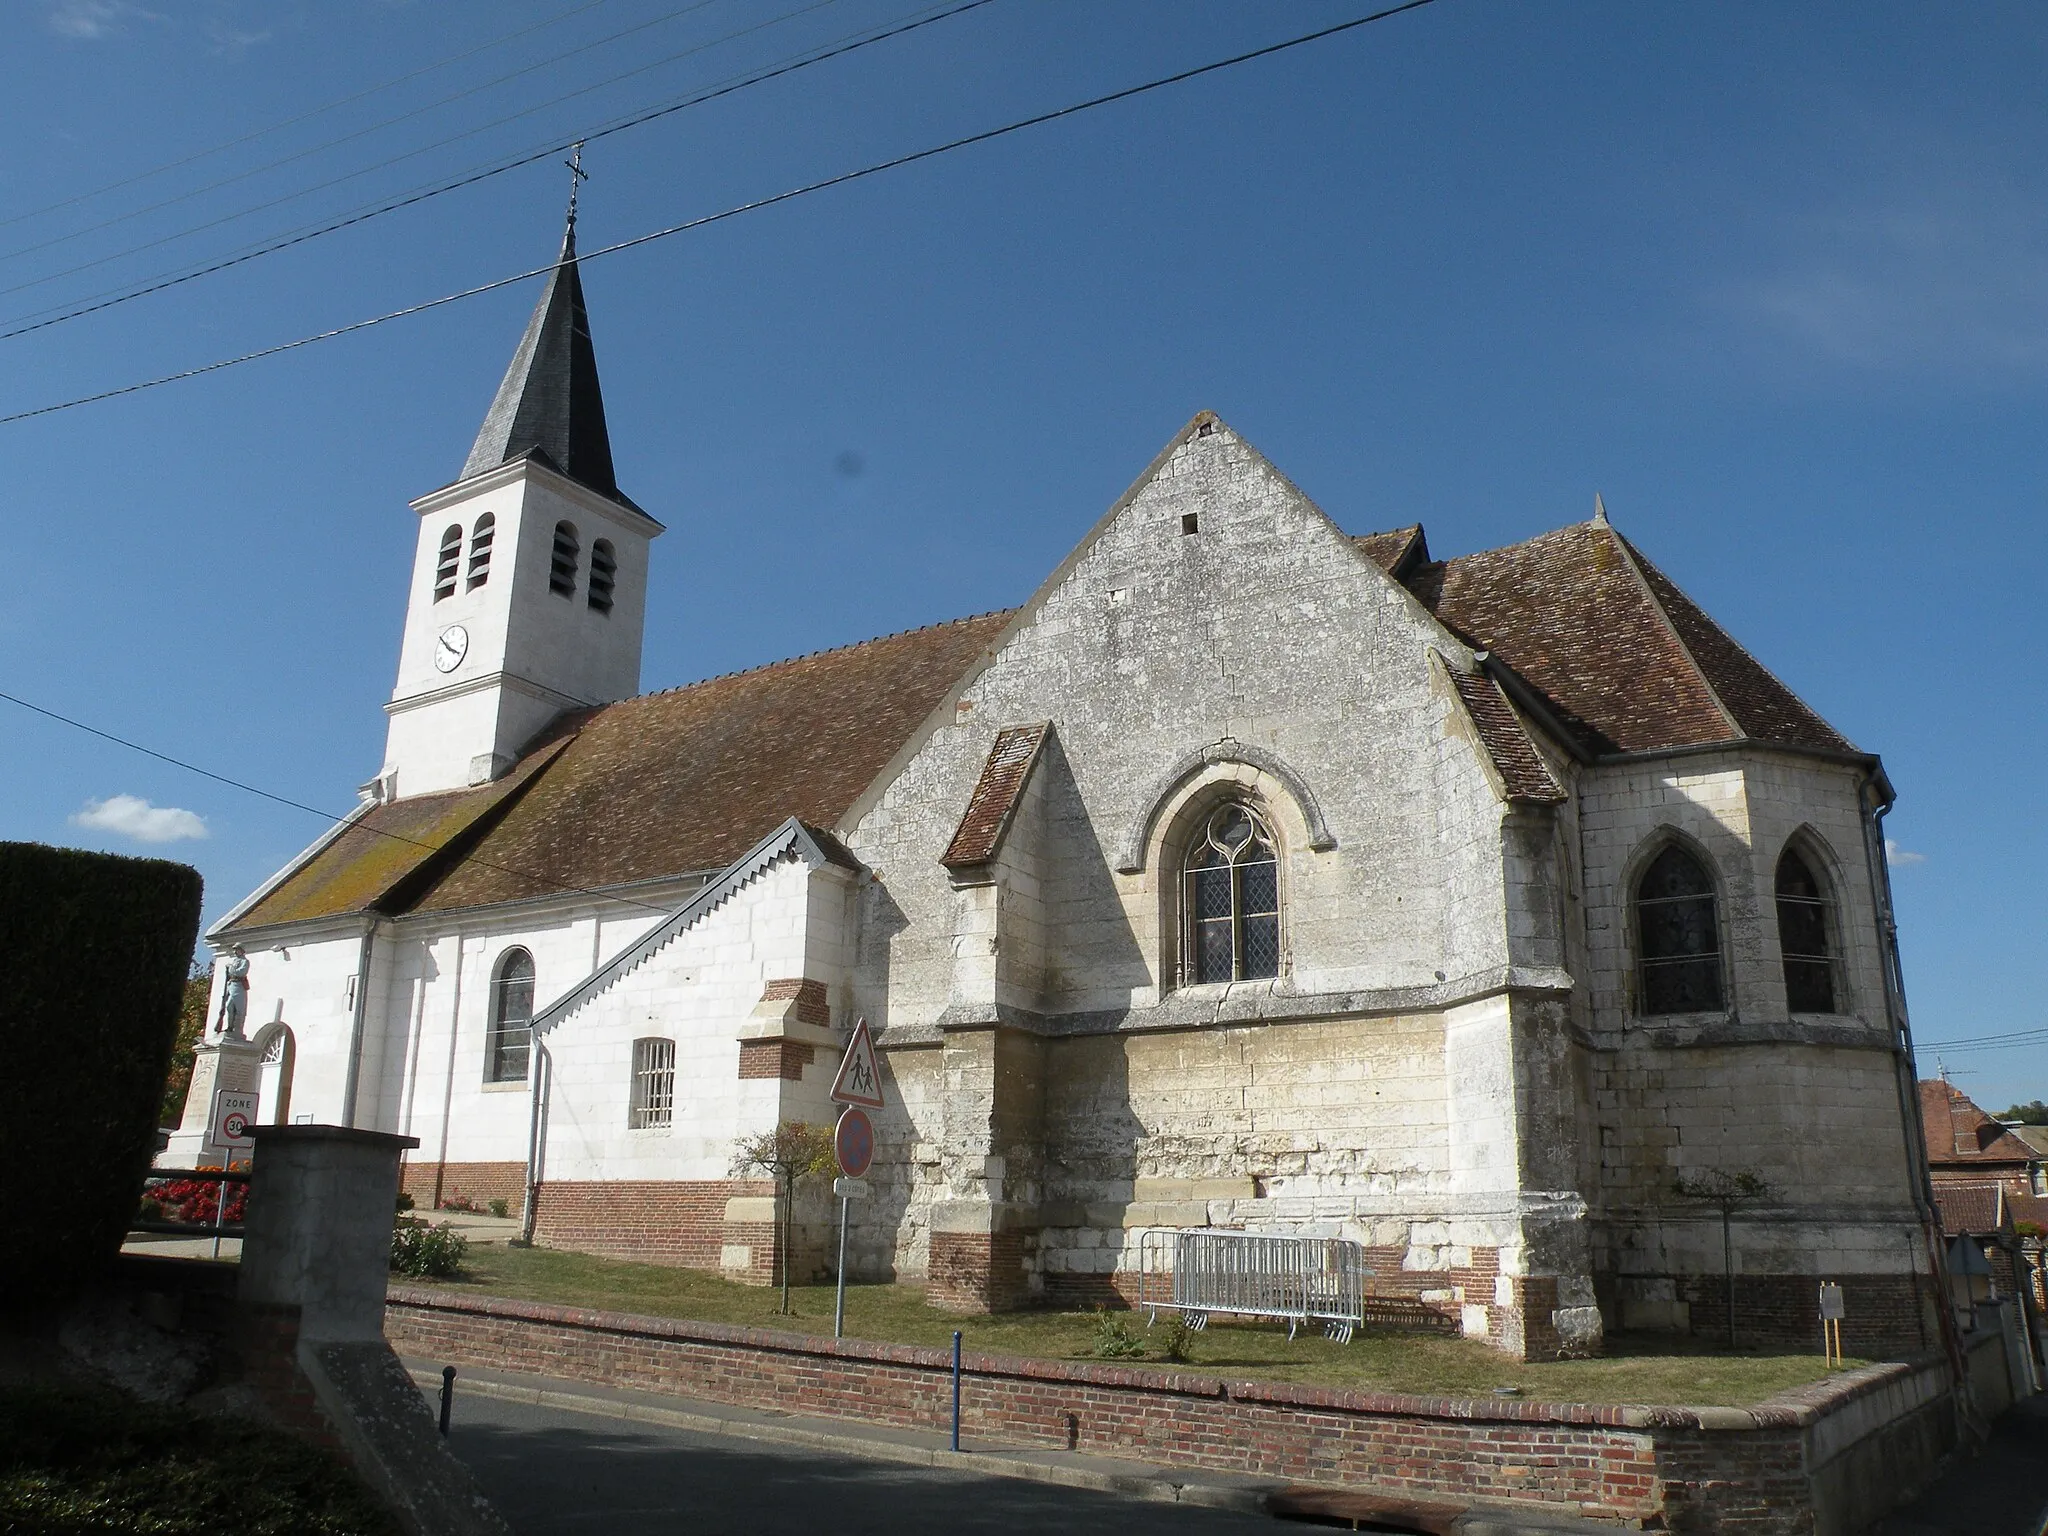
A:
(451, 648)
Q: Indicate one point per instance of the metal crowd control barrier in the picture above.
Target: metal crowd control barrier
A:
(1252, 1274)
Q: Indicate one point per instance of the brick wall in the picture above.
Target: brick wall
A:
(434, 1184)
(785, 1059)
(1889, 1317)
(680, 1221)
(1690, 1470)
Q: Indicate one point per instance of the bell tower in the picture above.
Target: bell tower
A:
(529, 581)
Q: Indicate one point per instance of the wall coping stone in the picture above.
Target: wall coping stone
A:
(1796, 1408)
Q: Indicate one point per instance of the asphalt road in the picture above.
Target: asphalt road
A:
(552, 1472)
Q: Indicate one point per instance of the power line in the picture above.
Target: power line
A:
(349, 137)
(291, 122)
(548, 885)
(553, 147)
(840, 180)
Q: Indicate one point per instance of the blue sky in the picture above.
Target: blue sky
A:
(1772, 278)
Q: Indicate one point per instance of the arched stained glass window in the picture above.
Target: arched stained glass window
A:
(1678, 934)
(1231, 899)
(1804, 921)
(511, 1034)
(562, 566)
(481, 538)
(450, 562)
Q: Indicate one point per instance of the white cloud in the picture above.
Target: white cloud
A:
(94, 19)
(1899, 855)
(133, 816)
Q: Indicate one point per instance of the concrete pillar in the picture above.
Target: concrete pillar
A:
(318, 1236)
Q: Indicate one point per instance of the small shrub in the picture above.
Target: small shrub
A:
(456, 1200)
(1113, 1337)
(427, 1252)
(1179, 1345)
(500, 1207)
(405, 1202)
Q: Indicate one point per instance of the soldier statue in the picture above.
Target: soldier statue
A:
(234, 993)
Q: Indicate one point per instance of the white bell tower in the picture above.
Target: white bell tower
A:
(529, 583)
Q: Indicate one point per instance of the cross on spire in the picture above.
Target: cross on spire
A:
(577, 176)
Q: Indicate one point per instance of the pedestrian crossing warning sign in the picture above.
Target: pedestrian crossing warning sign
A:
(859, 1080)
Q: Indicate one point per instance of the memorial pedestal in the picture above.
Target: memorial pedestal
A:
(229, 1066)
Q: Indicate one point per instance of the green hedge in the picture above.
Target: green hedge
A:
(91, 976)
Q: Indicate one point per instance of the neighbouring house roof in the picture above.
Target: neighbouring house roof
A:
(1522, 771)
(549, 406)
(1961, 1136)
(995, 796)
(1623, 659)
(649, 788)
(1972, 1210)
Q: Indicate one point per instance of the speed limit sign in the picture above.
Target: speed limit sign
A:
(233, 1116)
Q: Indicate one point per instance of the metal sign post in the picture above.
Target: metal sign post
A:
(233, 1114)
(1831, 1313)
(859, 1087)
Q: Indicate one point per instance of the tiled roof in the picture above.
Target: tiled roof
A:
(1522, 771)
(652, 787)
(1969, 1208)
(1960, 1135)
(1396, 551)
(995, 796)
(1624, 660)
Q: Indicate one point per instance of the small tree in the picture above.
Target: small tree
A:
(191, 1026)
(792, 1151)
(1727, 1190)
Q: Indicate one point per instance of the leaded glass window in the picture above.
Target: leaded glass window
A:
(1679, 936)
(1231, 930)
(1803, 923)
(511, 1035)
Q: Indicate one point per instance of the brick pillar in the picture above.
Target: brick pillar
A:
(984, 1239)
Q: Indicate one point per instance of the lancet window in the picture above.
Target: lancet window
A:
(1230, 898)
(1805, 924)
(1678, 937)
(511, 1033)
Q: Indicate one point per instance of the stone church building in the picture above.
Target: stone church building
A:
(1249, 874)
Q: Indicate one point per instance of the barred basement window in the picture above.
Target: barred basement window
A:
(562, 571)
(1803, 924)
(511, 1035)
(450, 562)
(654, 1084)
(480, 540)
(1678, 936)
(604, 574)
(1230, 900)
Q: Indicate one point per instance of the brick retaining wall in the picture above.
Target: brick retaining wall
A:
(1695, 1469)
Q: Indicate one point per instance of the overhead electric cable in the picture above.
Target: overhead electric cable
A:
(292, 122)
(840, 180)
(411, 154)
(727, 87)
(549, 885)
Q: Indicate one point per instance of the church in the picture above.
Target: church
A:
(1250, 874)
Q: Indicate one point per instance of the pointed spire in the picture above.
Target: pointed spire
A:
(549, 402)
(1599, 510)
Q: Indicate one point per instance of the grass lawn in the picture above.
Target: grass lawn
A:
(1648, 1369)
(79, 1461)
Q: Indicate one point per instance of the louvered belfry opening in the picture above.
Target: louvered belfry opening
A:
(450, 563)
(481, 537)
(604, 575)
(562, 566)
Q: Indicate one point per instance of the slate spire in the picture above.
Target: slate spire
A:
(550, 404)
